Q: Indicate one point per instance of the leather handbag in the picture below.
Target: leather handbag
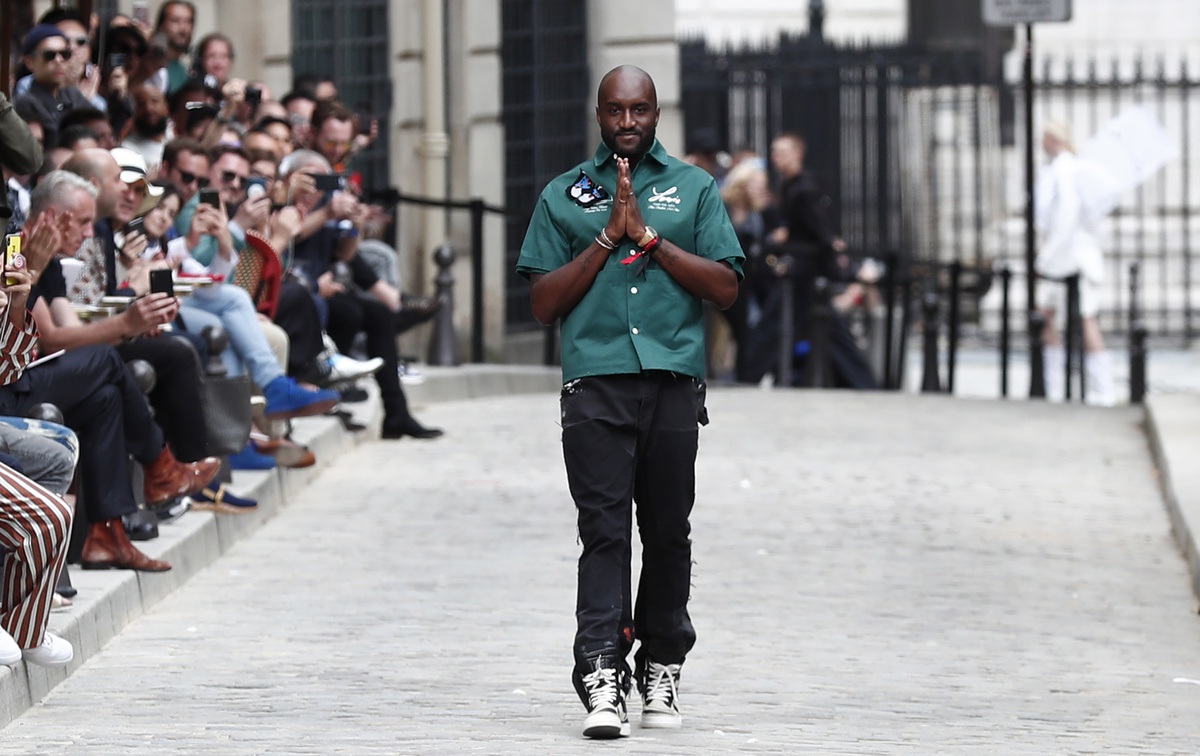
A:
(227, 412)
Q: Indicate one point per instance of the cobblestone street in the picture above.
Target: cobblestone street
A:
(875, 574)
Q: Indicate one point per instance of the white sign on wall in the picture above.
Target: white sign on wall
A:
(1013, 12)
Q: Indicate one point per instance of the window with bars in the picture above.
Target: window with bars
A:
(545, 80)
(347, 41)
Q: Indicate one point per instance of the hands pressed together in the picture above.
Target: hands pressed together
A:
(625, 217)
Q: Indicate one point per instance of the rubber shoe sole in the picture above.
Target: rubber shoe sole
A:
(605, 724)
(661, 720)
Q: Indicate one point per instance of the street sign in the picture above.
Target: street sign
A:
(1013, 12)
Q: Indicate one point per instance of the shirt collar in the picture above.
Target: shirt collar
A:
(604, 154)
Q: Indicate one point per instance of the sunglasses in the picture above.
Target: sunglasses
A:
(231, 178)
(50, 55)
(79, 41)
(189, 178)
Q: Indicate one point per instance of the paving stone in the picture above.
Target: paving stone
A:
(875, 573)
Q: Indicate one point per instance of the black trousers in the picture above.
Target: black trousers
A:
(176, 393)
(100, 402)
(627, 439)
(348, 315)
(299, 317)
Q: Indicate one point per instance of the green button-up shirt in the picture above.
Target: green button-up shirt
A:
(629, 322)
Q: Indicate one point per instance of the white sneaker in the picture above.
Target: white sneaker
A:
(660, 697)
(410, 374)
(54, 652)
(10, 652)
(343, 368)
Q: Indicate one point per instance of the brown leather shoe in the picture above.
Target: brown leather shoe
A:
(108, 547)
(287, 453)
(167, 477)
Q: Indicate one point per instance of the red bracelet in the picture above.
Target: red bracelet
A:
(652, 245)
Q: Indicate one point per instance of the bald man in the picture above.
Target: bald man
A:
(625, 248)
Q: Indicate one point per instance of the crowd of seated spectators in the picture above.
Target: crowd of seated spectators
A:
(154, 158)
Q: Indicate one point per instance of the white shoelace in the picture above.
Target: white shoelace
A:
(660, 683)
(601, 686)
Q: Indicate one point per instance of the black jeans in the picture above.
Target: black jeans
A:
(348, 315)
(100, 402)
(176, 395)
(626, 439)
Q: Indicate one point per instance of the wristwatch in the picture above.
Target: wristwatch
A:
(647, 238)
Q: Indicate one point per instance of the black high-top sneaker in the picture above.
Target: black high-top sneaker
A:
(659, 684)
(603, 690)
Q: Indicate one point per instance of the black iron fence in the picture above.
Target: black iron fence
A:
(919, 155)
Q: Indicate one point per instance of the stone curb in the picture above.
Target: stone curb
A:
(111, 599)
(1173, 429)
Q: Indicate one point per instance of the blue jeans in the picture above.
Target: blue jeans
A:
(248, 349)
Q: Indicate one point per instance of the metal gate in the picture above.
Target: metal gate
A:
(915, 149)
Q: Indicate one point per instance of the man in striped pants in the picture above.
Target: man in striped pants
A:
(35, 523)
(35, 526)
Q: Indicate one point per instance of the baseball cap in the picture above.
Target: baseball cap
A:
(133, 170)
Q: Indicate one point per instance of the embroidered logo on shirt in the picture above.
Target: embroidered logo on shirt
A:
(586, 192)
(664, 200)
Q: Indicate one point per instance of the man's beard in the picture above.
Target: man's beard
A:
(150, 128)
(643, 145)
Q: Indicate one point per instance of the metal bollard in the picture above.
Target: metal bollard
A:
(1073, 343)
(954, 326)
(930, 382)
(817, 372)
(1037, 362)
(443, 347)
(787, 331)
(1137, 340)
(1005, 329)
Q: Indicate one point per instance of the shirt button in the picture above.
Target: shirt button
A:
(632, 252)
(633, 290)
(635, 331)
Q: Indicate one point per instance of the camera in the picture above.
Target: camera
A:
(253, 96)
(117, 60)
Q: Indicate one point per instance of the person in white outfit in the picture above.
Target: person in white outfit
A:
(1069, 245)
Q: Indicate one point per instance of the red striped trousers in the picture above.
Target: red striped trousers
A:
(35, 527)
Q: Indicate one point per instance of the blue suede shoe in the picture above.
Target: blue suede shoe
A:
(251, 458)
(222, 501)
(286, 398)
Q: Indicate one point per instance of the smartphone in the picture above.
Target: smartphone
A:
(329, 182)
(255, 181)
(162, 282)
(137, 225)
(210, 197)
(253, 96)
(117, 60)
(12, 256)
(141, 11)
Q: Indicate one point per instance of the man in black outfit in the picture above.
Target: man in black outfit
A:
(813, 249)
